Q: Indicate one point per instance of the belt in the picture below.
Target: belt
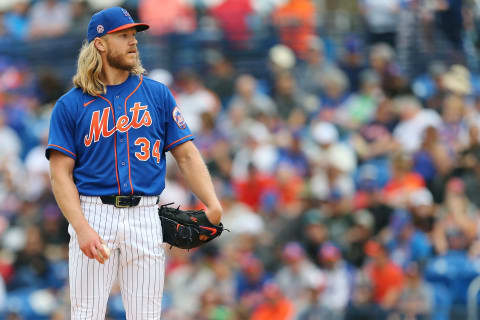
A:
(121, 201)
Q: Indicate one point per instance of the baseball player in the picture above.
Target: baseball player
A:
(107, 144)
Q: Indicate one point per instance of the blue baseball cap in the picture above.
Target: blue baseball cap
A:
(111, 20)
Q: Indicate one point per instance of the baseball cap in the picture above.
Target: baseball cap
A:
(111, 20)
(325, 133)
(293, 251)
(329, 252)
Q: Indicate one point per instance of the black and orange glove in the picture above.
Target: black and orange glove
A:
(187, 229)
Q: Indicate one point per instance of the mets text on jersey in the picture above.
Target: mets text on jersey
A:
(99, 123)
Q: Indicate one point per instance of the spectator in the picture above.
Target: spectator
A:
(80, 17)
(220, 76)
(233, 18)
(413, 121)
(433, 161)
(382, 61)
(249, 97)
(352, 62)
(250, 281)
(310, 72)
(293, 279)
(416, 299)
(386, 277)
(333, 97)
(430, 86)
(11, 144)
(274, 305)
(213, 306)
(210, 142)
(16, 20)
(49, 18)
(357, 236)
(360, 108)
(291, 154)
(235, 125)
(32, 268)
(334, 297)
(314, 310)
(312, 232)
(287, 95)
(403, 181)
(408, 244)
(453, 132)
(470, 160)
(177, 16)
(456, 226)
(295, 21)
(362, 305)
(381, 20)
(332, 163)
(422, 209)
(195, 99)
(373, 142)
(257, 153)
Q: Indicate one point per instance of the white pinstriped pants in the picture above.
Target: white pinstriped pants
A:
(137, 259)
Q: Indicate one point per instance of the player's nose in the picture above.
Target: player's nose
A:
(133, 41)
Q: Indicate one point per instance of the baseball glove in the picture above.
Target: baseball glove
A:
(187, 229)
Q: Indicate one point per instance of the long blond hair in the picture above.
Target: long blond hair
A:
(89, 69)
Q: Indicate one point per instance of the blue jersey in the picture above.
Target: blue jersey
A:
(118, 140)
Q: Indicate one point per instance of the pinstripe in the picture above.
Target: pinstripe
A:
(155, 250)
(150, 258)
(124, 263)
(81, 273)
(74, 267)
(100, 292)
(137, 259)
(88, 260)
(144, 227)
(132, 230)
(113, 257)
(130, 266)
(152, 243)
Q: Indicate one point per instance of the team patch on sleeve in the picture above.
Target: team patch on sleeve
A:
(177, 116)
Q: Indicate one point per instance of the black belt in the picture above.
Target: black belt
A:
(121, 201)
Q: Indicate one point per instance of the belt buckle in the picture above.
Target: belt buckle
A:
(117, 202)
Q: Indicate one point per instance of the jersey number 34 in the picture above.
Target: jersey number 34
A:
(144, 153)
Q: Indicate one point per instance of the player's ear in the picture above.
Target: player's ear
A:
(100, 44)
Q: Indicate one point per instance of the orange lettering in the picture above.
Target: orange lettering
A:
(136, 113)
(98, 126)
(146, 119)
(122, 124)
(99, 123)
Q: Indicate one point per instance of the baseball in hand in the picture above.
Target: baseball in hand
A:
(106, 250)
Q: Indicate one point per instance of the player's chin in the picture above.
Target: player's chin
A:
(129, 64)
(131, 59)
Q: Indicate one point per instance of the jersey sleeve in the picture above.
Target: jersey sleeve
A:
(177, 131)
(61, 134)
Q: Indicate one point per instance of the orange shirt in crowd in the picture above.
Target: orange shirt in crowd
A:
(400, 188)
(295, 21)
(282, 310)
(386, 278)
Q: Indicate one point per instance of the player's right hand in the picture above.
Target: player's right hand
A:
(91, 244)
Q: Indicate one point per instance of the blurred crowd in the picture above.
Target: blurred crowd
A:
(348, 168)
